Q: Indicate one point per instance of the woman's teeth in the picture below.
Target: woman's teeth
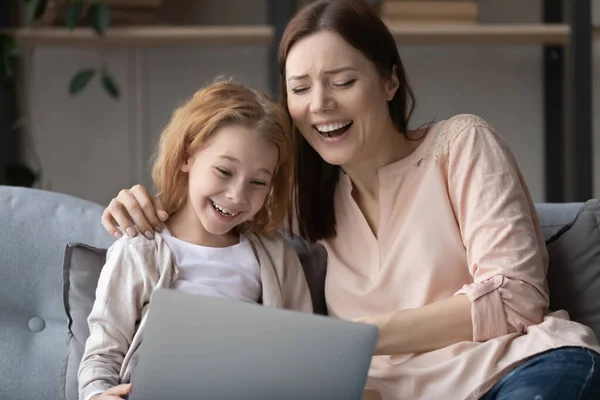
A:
(333, 130)
(222, 210)
(332, 127)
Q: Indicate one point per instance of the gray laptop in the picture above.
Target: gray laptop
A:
(197, 347)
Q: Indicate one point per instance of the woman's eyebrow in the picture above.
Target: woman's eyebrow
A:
(328, 72)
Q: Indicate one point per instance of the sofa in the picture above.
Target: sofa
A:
(52, 248)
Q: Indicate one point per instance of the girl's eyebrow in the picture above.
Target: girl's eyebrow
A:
(236, 161)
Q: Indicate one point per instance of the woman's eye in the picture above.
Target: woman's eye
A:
(346, 83)
(299, 90)
(223, 171)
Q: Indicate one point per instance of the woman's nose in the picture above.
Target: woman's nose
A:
(321, 101)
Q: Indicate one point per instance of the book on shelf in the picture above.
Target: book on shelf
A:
(430, 11)
(122, 12)
(135, 3)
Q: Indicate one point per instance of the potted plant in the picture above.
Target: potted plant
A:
(75, 13)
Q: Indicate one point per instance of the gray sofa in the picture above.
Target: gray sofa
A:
(42, 310)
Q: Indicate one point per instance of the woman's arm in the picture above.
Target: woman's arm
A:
(134, 210)
(504, 243)
(422, 329)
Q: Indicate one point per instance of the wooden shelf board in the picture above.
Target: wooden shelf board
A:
(546, 34)
(156, 36)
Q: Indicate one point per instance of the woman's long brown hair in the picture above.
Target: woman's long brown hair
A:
(359, 25)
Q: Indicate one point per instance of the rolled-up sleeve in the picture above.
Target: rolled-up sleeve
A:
(506, 253)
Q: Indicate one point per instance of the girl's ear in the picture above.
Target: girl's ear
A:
(186, 164)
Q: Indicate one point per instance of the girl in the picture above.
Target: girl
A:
(222, 172)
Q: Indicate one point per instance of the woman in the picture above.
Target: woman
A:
(431, 233)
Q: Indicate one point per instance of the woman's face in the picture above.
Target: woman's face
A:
(337, 98)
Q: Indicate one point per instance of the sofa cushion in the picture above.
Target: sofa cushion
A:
(81, 270)
(35, 226)
(574, 269)
(554, 216)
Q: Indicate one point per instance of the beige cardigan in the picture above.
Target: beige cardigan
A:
(134, 268)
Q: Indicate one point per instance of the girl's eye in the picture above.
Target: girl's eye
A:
(299, 90)
(259, 183)
(223, 171)
(345, 84)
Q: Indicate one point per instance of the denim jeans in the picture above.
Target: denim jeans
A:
(568, 373)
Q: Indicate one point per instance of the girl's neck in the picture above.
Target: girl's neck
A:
(185, 225)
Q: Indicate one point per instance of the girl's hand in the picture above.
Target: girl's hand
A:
(114, 393)
(134, 208)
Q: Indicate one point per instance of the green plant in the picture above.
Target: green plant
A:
(8, 52)
(97, 13)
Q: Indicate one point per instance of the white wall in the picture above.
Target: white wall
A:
(91, 146)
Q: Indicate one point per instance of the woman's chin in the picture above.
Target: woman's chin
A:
(338, 158)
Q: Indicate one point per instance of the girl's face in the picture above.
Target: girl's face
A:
(229, 178)
(337, 98)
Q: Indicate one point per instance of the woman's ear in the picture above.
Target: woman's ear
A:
(392, 84)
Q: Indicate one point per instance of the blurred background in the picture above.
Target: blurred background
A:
(81, 110)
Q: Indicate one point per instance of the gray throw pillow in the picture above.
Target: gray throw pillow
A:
(574, 270)
(81, 270)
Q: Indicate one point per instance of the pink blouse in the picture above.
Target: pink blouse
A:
(455, 217)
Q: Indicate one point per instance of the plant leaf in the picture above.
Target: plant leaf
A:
(80, 80)
(8, 50)
(8, 45)
(74, 13)
(110, 85)
(99, 15)
(6, 69)
(35, 9)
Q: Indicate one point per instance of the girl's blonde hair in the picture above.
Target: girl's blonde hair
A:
(193, 123)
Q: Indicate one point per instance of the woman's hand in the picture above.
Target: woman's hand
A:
(370, 394)
(114, 393)
(134, 210)
(370, 320)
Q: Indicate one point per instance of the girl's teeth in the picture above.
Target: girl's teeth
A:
(222, 211)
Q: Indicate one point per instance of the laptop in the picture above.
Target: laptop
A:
(197, 347)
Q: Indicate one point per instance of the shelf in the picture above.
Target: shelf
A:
(542, 34)
(147, 36)
(546, 34)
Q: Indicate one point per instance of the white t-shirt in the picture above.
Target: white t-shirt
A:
(228, 272)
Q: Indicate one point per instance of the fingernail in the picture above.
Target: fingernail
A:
(131, 232)
(158, 229)
(117, 234)
(163, 215)
(149, 234)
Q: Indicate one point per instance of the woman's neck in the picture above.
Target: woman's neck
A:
(186, 226)
(387, 149)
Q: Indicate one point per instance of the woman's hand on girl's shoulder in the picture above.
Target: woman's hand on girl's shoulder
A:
(114, 393)
(370, 394)
(134, 210)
